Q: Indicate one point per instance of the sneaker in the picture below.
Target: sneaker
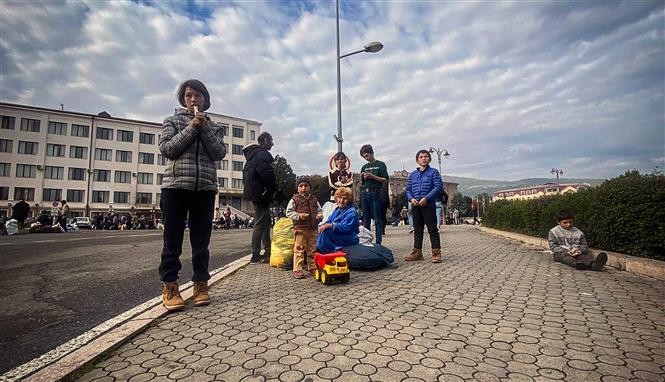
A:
(171, 298)
(411, 230)
(580, 266)
(298, 275)
(255, 260)
(201, 296)
(599, 262)
(265, 259)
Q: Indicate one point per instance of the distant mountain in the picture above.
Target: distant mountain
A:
(472, 187)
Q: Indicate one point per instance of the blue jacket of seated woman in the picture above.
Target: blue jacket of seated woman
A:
(424, 184)
(344, 231)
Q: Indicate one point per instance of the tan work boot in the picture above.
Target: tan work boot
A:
(201, 296)
(171, 298)
(436, 255)
(416, 254)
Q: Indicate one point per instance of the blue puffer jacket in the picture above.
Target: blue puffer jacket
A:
(427, 184)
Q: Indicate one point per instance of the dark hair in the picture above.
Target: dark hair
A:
(366, 149)
(564, 215)
(339, 155)
(423, 152)
(196, 85)
(264, 137)
(303, 179)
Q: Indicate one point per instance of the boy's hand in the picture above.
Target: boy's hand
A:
(303, 216)
(319, 216)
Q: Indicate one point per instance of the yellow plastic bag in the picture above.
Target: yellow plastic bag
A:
(281, 250)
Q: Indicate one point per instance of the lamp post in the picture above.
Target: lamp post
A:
(557, 172)
(445, 153)
(372, 47)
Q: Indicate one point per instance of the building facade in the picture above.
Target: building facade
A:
(538, 191)
(99, 162)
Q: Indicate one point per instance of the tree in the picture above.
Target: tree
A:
(320, 188)
(286, 181)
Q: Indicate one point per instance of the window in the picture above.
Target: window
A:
(146, 158)
(237, 149)
(104, 133)
(100, 196)
(252, 135)
(78, 152)
(52, 194)
(80, 130)
(27, 194)
(123, 156)
(4, 193)
(103, 154)
(236, 183)
(102, 176)
(26, 171)
(225, 164)
(59, 128)
(158, 198)
(76, 173)
(237, 166)
(31, 125)
(53, 150)
(8, 122)
(5, 169)
(225, 129)
(75, 195)
(54, 172)
(125, 136)
(147, 139)
(223, 182)
(144, 178)
(25, 147)
(237, 132)
(6, 145)
(120, 197)
(160, 177)
(143, 198)
(123, 177)
(161, 159)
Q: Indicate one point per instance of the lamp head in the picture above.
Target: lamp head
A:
(373, 47)
(446, 153)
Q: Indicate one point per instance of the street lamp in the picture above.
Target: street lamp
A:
(557, 172)
(372, 47)
(445, 154)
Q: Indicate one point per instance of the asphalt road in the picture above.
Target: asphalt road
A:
(55, 287)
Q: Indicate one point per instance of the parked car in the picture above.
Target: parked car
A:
(83, 222)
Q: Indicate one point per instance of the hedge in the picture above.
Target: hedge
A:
(624, 214)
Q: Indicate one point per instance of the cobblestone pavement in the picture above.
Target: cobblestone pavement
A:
(493, 310)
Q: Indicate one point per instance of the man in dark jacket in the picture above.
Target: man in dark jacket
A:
(20, 211)
(260, 185)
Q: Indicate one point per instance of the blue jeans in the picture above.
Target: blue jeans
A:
(439, 207)
(371, 206)
(176, 205)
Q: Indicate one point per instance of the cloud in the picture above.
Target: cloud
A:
(510, 89)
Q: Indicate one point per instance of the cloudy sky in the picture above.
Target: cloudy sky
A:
(510, 89)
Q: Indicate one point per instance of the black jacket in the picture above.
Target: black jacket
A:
(20, 211)
(258, 175)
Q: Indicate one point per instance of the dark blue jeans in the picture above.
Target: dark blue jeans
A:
(176, 206)
(371, 206)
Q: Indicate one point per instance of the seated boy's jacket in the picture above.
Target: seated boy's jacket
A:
(300, 204)
(564, 240)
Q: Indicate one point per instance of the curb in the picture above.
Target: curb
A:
(112, 339)
(636, 265)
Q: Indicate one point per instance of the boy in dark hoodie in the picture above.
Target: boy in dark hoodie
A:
(260, 186)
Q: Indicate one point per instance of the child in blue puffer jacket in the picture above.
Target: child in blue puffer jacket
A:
(423, 189)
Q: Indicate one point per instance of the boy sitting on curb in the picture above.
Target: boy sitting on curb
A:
(569, 246)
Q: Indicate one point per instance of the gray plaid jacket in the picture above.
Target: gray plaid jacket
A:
(191, 153)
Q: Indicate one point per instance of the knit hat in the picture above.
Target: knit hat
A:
(303, 179)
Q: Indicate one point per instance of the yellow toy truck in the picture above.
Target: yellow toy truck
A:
(331, 267)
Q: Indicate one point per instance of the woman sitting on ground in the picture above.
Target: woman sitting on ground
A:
(342, 226)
